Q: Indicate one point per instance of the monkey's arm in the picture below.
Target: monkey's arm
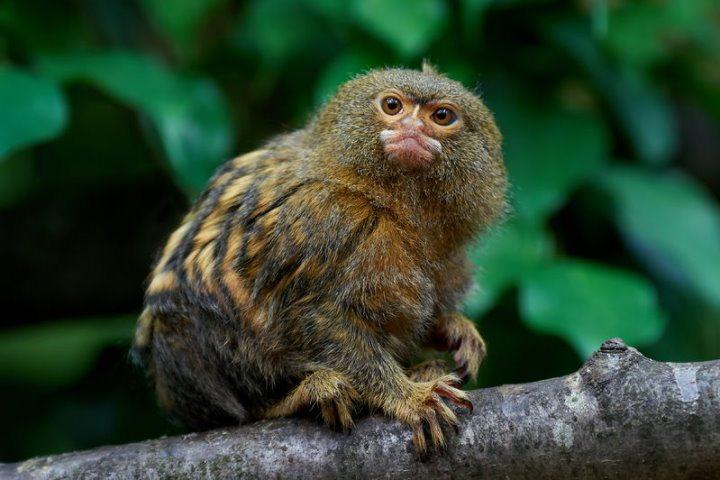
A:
(358, 353)
(451, 331)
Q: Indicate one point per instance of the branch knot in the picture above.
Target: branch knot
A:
(613, 345)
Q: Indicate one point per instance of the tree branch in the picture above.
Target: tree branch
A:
(620, 416)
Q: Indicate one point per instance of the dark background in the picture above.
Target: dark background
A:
(113, 113)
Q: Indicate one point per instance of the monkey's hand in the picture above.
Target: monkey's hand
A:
(425, 411)
(455, 333)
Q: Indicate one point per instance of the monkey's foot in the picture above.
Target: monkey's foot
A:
(327, 390)
(428, 371)
(426, 411)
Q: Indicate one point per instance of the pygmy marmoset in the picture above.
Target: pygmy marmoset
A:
(310, 271)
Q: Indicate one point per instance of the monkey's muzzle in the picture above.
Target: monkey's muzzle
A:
(409, 148)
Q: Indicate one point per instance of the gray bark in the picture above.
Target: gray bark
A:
(620, 416)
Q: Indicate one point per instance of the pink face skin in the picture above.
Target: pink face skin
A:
(414, 131)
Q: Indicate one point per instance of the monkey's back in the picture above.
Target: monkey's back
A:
(203, 332)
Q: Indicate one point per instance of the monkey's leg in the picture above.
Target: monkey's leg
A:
(188, 377)
(384, 385)
(327, 389)
(428, 370)
(454, 332)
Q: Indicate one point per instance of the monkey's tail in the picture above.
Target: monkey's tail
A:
(140, 350)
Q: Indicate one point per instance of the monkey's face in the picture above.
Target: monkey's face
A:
(400, 122)
(414, 129)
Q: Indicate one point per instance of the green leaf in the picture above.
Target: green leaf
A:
(636, 36)
(277, 36)
(643, 34)
(60, 352)
(461, 70)
(330, 9)
(341, 70)
(475, 8)
(196, 136)
(30, 27)
(33, 110)
(548, 151)
(599, 17)
(502, 257)
(181, 22)
(472, 14)
(672, 223)
(585, 304)
(644, 112)
(191, 115)
(407, 25)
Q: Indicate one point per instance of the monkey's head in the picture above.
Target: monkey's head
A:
(408, 123)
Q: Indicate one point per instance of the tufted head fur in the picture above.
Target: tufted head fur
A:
(457, 167)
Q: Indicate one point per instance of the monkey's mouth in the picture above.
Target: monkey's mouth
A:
(409, 148)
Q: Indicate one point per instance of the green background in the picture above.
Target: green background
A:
(113, 113)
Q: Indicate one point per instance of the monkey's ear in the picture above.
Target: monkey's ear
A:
(428, 67)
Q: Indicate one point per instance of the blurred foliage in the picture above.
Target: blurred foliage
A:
(583, 302)
(60, 352)
(34, 108)
(114, 111)
(191, 117)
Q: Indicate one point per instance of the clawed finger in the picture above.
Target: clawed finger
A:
(456, 396)
(337, 415)
(329, 415)
(457, 379)
(436, 433)
(446, 414)
(462, 372)
(344, 417)
(419, 441)
(467, 359)
(428, 426)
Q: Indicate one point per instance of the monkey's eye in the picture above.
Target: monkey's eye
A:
(392, 105)
(444, 116)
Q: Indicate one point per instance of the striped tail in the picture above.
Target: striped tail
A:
(140, 350)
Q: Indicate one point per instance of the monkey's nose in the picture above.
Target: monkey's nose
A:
(411, 122)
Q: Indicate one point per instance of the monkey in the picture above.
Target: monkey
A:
(310, 271)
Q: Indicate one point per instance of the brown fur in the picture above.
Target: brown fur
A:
(310, 271)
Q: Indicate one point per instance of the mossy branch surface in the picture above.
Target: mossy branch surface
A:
(621, 415)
